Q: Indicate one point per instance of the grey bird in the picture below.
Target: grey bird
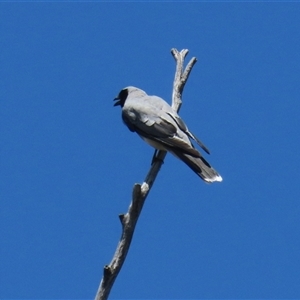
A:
(155, 121)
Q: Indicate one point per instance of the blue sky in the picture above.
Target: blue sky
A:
(68, 164)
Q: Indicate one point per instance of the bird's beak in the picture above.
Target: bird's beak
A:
(118, 102)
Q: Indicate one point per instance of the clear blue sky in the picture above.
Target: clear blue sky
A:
(68, 163)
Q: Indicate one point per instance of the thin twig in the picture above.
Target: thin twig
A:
(140, 192)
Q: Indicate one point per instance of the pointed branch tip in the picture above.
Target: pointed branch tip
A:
(107, 271)
(174, 51)
(121, 217)
(184, 52)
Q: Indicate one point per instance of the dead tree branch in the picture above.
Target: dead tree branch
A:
(140, 191)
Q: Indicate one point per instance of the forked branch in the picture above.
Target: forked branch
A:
(140, 192)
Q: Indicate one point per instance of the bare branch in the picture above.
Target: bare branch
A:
(140, 192)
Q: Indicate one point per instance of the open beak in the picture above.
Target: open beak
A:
(118, 102)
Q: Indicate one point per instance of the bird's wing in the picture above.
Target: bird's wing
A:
(184, 128)
(153, 123)
(164, 106)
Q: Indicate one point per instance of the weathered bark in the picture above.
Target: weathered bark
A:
(140, 191)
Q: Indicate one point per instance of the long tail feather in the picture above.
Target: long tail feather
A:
(199, 165)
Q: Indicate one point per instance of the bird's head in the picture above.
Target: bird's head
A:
(121, 98)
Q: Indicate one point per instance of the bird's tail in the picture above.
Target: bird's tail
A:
(199, 165)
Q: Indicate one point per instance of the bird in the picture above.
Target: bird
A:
(159, 125)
